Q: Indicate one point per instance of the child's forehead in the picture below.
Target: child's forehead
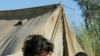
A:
(43, 54)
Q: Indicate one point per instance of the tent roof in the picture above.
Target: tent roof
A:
(27, 11)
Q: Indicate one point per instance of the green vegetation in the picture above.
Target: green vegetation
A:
(89, 36)
(89, 40)
(90, 11)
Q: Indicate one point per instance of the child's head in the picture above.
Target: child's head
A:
(81, 54)
(37, 45)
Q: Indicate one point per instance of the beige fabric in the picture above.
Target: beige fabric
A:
(72, 45)
(50, 23)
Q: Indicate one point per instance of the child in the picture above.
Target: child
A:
(37, 45)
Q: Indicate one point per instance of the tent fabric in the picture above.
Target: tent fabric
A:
(49, 21)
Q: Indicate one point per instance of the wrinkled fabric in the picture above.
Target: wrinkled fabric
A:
(47, 21)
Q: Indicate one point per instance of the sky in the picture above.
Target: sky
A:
(74, 16)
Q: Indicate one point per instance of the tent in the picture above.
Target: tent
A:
(49, 21)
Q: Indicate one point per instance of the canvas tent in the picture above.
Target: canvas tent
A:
(49, 21)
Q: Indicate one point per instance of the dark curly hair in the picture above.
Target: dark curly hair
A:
(81, 54)
(36, 44)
